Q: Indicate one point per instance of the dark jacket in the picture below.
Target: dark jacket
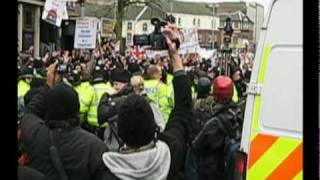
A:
(26, 173)
(208, 146)
(241, 88)
(177, 129)
(80, 151)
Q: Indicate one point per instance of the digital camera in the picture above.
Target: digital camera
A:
(228, 28)
(63, 68)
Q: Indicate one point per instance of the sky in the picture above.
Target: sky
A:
(265, 3)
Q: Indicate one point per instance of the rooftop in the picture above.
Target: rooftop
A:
(132, 11)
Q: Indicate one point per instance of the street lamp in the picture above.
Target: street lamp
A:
(213, 6)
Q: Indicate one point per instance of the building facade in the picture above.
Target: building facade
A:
(187, 15)
(33, 31)
(29, 15)
(243, 28)
(254, 11)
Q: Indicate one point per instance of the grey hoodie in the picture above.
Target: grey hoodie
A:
(150, 164)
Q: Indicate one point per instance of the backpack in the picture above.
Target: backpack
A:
(111, 137)
(231, 145)
(202, 112)
(217, 141)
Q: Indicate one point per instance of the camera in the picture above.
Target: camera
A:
(228, 28)
(157, 39)
(63, 68)
(227, 37)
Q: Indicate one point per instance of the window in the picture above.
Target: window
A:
(223, 24)
(213, 24)
(179, 21)
(200, 37)
(70, 5)
(194, 21)
(28, 19)
(198, 22)
(144, 27)
(245, 25)
(129, 37)
(129, 26)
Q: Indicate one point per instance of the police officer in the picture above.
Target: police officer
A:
(85, 92)
(99, 87)
(24, 82)
(157, 90)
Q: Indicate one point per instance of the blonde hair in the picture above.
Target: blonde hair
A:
(137, 83)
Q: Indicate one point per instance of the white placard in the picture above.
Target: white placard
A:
(86, 32)
(189, 38)
(54, 11)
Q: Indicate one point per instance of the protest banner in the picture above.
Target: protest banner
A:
(86, 32)
(107, 26)
(54, 11)
(189, 40)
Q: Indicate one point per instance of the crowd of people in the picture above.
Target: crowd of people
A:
(100, 115)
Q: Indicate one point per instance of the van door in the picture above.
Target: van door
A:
(272, 132)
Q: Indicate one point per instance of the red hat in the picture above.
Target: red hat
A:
(222, 89)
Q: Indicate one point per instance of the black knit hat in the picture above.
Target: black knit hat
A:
(136, 124)
(120, 76)
(62, 103)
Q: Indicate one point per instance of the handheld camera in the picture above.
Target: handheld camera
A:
(157, 39)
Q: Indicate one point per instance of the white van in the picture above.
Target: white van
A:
(271, 142)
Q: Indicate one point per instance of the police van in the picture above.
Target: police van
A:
(271, 144)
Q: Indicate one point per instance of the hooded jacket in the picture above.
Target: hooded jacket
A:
(166, 159)
(150, 164)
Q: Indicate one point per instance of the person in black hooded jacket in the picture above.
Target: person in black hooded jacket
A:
(26, 173)
(79, 151)
(147, 154)
(239, 82)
